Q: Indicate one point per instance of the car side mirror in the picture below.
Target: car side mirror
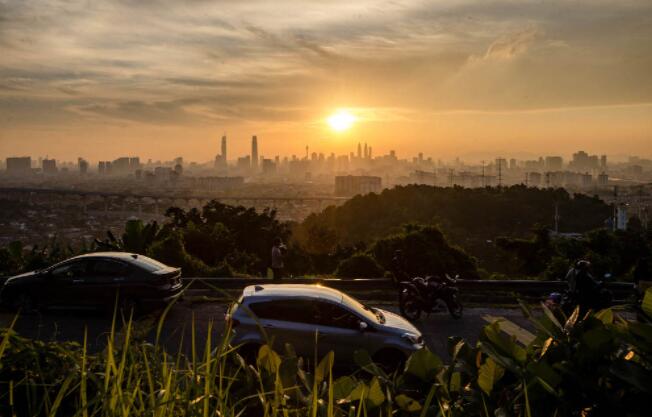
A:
(363, 326)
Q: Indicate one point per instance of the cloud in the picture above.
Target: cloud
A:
(509, 46)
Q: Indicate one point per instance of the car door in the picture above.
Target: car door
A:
(65, 285)
(107, 279)
(339, 331)
(288, 321)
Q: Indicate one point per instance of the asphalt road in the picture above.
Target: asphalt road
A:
(71, 325)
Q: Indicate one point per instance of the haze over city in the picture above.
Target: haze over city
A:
(163, 79)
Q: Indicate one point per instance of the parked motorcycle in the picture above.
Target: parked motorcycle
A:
(429, 294)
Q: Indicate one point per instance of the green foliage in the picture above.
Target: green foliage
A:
(359, 265)
(469, 217)
(593, 365)
(622, 254)
(16, 258)
(426, 252)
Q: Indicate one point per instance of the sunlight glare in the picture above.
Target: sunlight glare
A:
(341, 120)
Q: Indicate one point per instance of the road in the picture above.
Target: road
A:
(69, 326)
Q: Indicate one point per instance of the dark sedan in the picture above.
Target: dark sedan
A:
(95, 281)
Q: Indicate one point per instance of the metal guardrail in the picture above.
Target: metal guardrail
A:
(522, 287)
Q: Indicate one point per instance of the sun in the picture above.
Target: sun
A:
(341, 120)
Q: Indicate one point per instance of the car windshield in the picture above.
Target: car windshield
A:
(370, 313)
(149, 264)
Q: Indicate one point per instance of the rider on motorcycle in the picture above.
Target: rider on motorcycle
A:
(586, 291)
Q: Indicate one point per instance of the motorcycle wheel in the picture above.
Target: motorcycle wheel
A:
(455, 308)
(410, 308)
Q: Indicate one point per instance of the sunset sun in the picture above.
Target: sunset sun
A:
(341, 120)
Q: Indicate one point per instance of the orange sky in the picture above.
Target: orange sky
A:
(450, 78)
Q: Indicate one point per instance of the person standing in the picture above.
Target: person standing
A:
(277, 259)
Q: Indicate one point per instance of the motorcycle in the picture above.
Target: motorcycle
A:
(429, 294)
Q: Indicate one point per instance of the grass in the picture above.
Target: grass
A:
(501, 375)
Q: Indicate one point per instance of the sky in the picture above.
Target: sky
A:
(474, 79)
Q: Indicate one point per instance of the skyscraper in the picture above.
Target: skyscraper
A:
(224, 149)
(254, 152)
(359, 150)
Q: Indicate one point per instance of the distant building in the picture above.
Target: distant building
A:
(554, 163)
(219, 183)
(254, 153)
(49, 166)
(19, 165)
(351, 185)
(269, 166)
(423, 177)
(244, 163)
(220, 160)
(534, 179)
(603, 180)
(82, 164)
(104, 167)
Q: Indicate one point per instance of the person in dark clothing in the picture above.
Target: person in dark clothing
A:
(398, 267)
(584, 288)
(277, 258)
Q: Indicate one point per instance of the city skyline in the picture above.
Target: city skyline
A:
(445, 78)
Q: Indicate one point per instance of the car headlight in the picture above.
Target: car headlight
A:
(413, 338)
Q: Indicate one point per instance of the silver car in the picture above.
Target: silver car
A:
(315, 320)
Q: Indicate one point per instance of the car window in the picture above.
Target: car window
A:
(301, 311)
(329, 314)
(73, 269)
(108, 268)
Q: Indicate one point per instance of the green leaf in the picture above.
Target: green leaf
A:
(646, 305)
(268, 359)
(490, 373)
(606, 316)
(408, 404)
(424, 365)
(375, 396)
(343, 387)
(325, 366)
(545, 375)
(503, 344)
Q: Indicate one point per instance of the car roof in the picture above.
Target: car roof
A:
(131, 258)
(280, 291)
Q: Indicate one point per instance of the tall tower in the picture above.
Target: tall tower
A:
(359, 151)
(224, 149)
(254, 152)
(366, 151)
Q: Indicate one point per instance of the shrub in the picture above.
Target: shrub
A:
(360, 265)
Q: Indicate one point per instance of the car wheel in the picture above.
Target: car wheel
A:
(389, 360)
(455, 307)
(409, 305)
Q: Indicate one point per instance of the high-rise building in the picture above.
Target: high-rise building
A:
(224, 149)
(554, 163)
(366, 151)
(603, 162)
(49, 166)
(359, 150)
(254, 152)
(82, 164)
(19, 165)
